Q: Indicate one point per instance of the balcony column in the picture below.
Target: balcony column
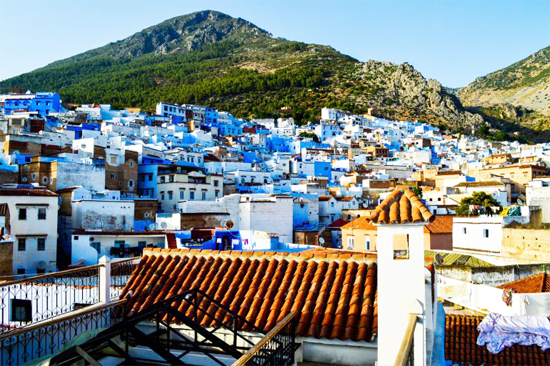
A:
(105, 280)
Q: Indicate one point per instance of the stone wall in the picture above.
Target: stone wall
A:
(526, 243)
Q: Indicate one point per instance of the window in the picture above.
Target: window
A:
(22, 214)
(131, 164)
(33, 176)
(113, 159)
(41, 214)
(217, 192)
(41, 244)
(113, 176)
(181, 194)
(332, 204)
(485, 233)
(191, 195)
(401, 246)
(162, 179)
(351, 243)
(44, 180)
(204, 196)
(20, 271)
(21, 310)
(216, 183)
(21, 244)
(171, 178)
(131, 183)
(170, 195)
(464, 231)
(162, 196)
(150, 177)
(367, 242)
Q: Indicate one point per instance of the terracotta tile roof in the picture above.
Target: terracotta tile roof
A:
(440, 225)
(26, 192)
(461, 348)
(401, 206)
(360, 223)
(337, 224)
(530, 285)
(324, 198)
(345, 198)
(333, 292)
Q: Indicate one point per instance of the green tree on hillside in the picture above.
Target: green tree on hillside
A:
(481, 199)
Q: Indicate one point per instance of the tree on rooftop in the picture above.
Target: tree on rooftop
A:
(310, 135)
(481, 199)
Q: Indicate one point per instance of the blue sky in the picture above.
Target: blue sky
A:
(453, 41)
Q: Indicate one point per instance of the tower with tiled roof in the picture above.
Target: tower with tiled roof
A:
(402, 288)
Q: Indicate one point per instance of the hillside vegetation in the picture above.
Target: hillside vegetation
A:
(230, 64)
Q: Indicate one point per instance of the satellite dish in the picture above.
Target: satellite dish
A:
(41, 265)
(152, 226)
(223, 223)
(24, 179)
(163, 225)
(321, 241)
(439, 259)
(229, 224)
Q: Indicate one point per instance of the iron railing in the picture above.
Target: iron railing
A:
(24, 345)
(405, 357)
(42, 297)
(276, 348)
(206, 326)
(120, 274)
(34, 299)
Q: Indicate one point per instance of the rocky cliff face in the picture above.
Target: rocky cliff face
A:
(404, 89)
(518, 93)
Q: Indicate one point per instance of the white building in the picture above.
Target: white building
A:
(33, 222)
(261, 212)
(330, 207)
(89, 246)
(173, 187)
(538, 194)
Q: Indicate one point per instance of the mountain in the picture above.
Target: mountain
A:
(230, 64)
(518, 93)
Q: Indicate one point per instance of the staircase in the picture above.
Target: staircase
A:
(189, 328)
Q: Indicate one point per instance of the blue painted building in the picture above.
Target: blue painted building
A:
(41, 102)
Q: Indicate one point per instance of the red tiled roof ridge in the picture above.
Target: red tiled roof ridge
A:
(400, 207)
(316, 254)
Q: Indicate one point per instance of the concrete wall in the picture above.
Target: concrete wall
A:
(400, 295)
(70, 174)
(104, 215)
(273, 215)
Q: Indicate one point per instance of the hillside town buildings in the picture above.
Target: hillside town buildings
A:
(355, 223)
